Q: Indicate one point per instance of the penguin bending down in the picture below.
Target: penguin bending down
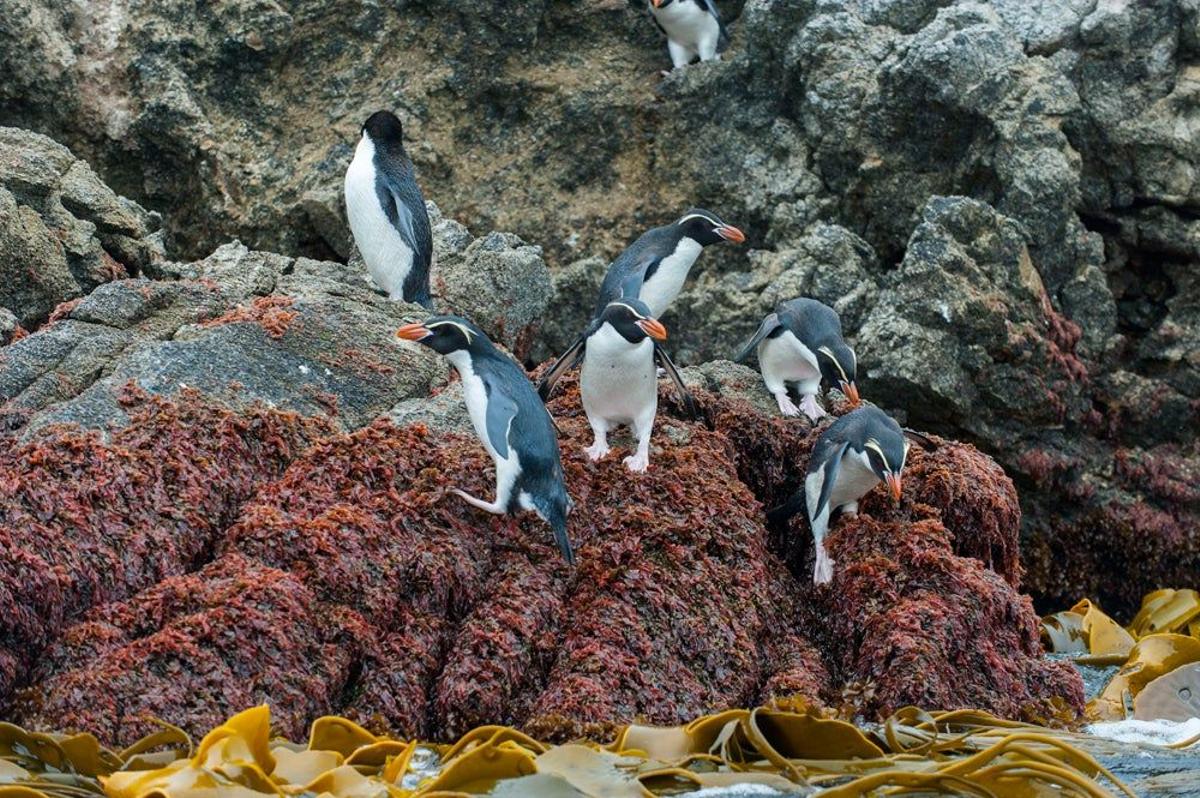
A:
(692, 27)
(653, 270)
(387, 212)
(857, 452)
(801, 343)
(510, 420)
(618, 382)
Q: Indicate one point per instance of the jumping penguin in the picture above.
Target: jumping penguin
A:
(857, 452)
(653, 270)
(617, 382)
(387, 212)
(692, 27)
(510, 420)
(802, 343)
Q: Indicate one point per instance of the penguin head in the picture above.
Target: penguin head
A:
(632, 319)
(383, 127)
(885, 446)
(705, 227)
(839, 367)
(446, 335)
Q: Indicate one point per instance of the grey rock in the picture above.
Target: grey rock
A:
(8, 326)
(62, 231)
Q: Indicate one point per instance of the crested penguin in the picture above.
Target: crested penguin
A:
(387, 212)
(692, 27)
(617, 382)
(801, 343)
(857, 452)
(510, 420)
(653, 270)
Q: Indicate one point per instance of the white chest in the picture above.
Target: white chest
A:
(618, 381)
(387, 255)
(686, 22)
(855, 479)
(664, 285)
(785, 359)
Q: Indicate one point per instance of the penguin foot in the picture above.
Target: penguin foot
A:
(597, 450)
(637, 463)
(786, 405)
(492, 507)
(823, 568)
(811, 409)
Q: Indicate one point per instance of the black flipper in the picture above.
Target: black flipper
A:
(685, 396)
(723, 39)
(831, 468)
(501, 410)
(768, 326)
(567, 361)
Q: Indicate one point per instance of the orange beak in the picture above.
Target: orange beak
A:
(851, 391)
(731, 233)
(893, 483)
(653, 328)
(413, 332)
(656, 3)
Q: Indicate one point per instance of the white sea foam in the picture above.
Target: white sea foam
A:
(1155, 732)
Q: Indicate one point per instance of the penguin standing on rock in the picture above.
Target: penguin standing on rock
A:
(801, 343)
(653, 270)
(692, 27)
(857, 452)
(618, 383)
(387, 212)
(510, 420)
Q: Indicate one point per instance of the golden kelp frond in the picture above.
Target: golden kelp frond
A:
(963, 752)
(1167, 635)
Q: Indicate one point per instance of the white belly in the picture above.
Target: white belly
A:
(387, 256)
(475, 395)
(855, 479)
(618, 381)
(688, 24)
(667, 281)
(784, 359)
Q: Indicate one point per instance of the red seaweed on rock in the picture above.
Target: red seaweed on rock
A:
(423, 616)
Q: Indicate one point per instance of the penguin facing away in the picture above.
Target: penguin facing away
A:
(652, 269)
(692, 27)
(387, 213)
(801, 344)
(510, 420)
(618, 382)
(857, 452)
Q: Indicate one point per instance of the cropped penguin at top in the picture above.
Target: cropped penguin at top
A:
(510, 420)
(801, 345)
(617, 382)
(856, 453)
(693, 29)
(653, 270)
(387, 212)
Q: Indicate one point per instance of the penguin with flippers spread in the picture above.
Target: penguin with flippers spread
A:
(510, 420)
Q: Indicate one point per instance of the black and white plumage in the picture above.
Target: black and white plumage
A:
(618, 383)
(693, 29)
(387, 212)
(653, 270)
(801, 344)
(510, 420)
(857, 452)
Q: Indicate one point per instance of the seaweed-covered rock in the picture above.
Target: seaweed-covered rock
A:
(62, 230)
(444, 618)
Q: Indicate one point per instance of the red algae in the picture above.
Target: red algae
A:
(269, 312)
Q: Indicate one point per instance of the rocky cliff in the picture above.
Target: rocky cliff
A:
(1000, 199)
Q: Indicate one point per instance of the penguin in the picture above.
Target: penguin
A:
(618, 382)
(857, 452)
(801, 343)
(652, 270)
(692, 27)
(510, 420)
(387, 212)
